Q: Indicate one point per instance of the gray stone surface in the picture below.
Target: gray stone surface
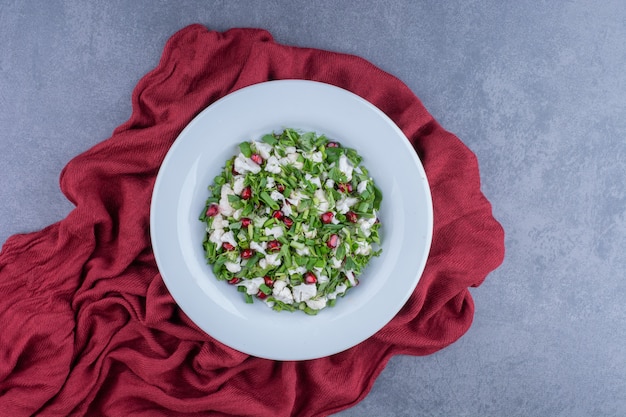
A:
(536, 89)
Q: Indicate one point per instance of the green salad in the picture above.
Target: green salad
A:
(292, 220)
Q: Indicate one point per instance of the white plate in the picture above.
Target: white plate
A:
(199, 154)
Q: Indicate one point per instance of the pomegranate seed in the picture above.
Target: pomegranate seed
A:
(258, 159)
(228, 246)
(280, 188)
(327, 217)
(288, 222)
(268, 281)
(333, 240)
(213, 210)
(278, 215)
(234, 280)
(245, 222)
(310, 278)
(247, 253)
(261, 295)
(273, 245)
(246, 193)
(352, 216)
(234, 171)
(332, 145)
(345, 187)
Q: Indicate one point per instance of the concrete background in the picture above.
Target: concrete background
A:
(536, 89)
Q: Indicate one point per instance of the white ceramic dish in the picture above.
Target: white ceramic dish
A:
(199, 154)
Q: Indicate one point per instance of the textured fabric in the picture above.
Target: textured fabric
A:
(88, 327)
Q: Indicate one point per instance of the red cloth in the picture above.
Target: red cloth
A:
(88, 327)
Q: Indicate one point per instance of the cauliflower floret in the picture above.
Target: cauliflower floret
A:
(252, 285)
(216, 237)
(225, 207)
(321, 278)
(276, 231)
(233, 267)
(286, 209)
(264, 149)
(366, 225)
(270, 182)
(295, 197)
(258, 247)
(238, 185)
(313, 180)
(343, 205)
(272, 165)
(317, 304)
(219, 222)
(315, 156)
(275, 195)
(243, 165)
(304, 292)
(309, 234)
(363, 249)
(259, 221)
(322, 204)
(282, 293)
(229, 237)
(335, 263)
(362, 186)
(292, 159)
(270, 260)
(345, 166)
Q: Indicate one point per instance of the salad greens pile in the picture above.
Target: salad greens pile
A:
(292, 220)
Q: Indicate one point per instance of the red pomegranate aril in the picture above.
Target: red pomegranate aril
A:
(246, 193)
(273, 245)
(261, 295)
(310, 278)
(228, 246)
(234, 280)
(247, 253)
(268, 281)
(345, 187)
(333, 241)
(258, 159)
(280, 188)
(352, 216)
(245, 222)
(327, 217)
(332, 145)
(288, 222)
(213, 210)
(278, 215)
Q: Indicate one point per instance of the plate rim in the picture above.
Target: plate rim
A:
(423, 180)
